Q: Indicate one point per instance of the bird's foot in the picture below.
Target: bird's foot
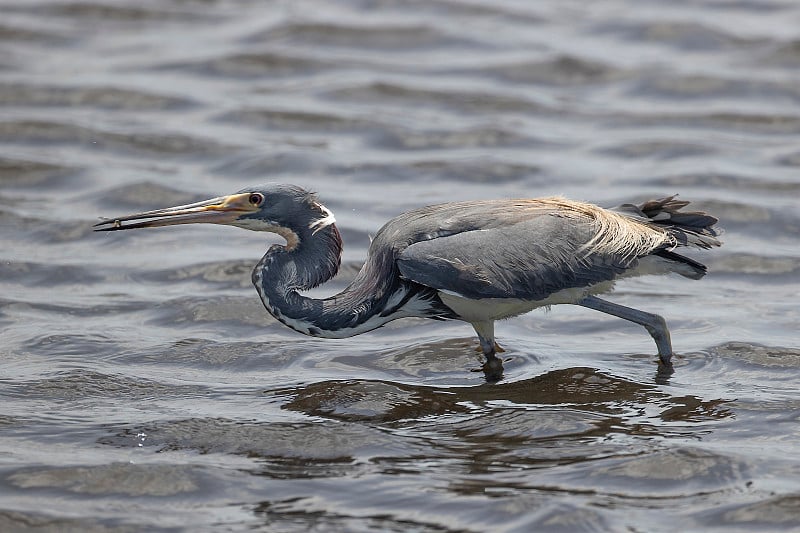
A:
(493, 369)
(665, 369)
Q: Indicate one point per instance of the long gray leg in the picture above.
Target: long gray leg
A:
(493, 368)
(654, 324)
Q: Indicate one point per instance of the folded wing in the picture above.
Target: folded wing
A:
(529, 258)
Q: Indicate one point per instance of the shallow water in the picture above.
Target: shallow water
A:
(143, 387)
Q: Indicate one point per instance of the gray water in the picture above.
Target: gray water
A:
(143, 387)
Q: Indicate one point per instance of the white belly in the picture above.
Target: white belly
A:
(483, 309)
(486, 309)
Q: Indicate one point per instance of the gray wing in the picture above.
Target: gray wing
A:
(529, 259)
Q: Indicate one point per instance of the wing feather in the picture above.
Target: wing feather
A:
(527, 257)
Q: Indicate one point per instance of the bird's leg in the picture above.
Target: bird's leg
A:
(654, 324)
(493, 367)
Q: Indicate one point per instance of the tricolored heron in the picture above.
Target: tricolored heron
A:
(476, 261)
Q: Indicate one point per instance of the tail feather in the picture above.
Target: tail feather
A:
(685, 266)
(690, 228)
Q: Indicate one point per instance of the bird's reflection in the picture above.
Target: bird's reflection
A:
(582, 388)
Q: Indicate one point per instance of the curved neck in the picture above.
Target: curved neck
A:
(374, 298)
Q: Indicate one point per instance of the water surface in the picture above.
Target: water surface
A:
(143, 387)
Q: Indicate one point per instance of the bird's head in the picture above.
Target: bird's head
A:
(288, 210)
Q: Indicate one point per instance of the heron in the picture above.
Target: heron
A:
(474, 261)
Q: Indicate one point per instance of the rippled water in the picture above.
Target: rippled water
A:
(143, 387)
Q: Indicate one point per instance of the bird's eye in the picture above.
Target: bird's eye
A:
(256, 198)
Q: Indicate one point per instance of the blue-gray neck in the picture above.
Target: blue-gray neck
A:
(376, 296)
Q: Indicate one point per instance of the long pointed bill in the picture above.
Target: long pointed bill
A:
(222, 210)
